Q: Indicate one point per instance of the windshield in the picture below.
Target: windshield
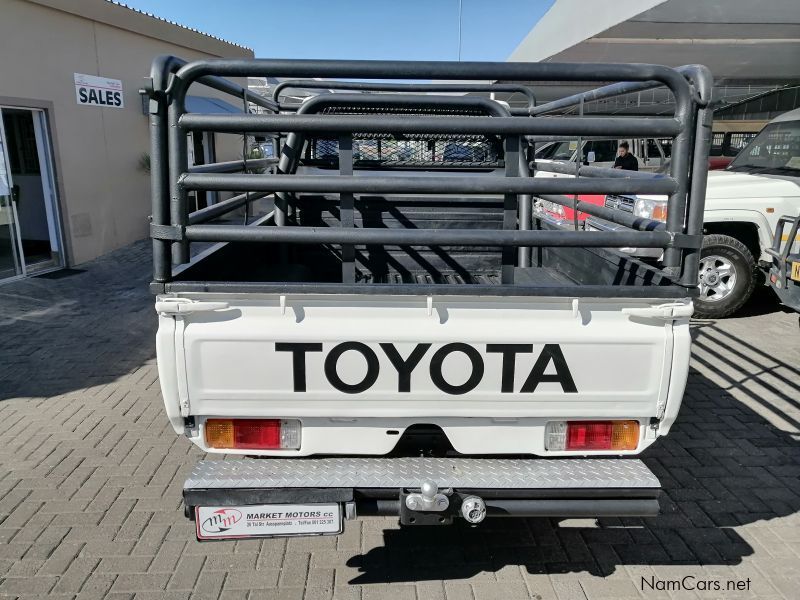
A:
(776, 148)
(546, 151)
(564, 150)
(604, 150)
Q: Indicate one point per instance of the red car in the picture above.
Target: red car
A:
(563, 215)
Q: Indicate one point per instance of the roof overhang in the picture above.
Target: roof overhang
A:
(750, 47)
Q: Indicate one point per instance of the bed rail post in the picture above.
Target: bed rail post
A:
(346, 208)
(159, 175)
(525, 204)
(510, 206)
(702, 80)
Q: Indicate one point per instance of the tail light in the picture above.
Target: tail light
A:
(253, 434)
(592, 435)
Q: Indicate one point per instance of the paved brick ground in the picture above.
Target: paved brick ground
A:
(90, 478)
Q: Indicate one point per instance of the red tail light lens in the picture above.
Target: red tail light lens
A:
(256, 434)
(253, 434)
(589, 435)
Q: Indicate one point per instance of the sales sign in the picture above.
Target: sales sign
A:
(98, 91)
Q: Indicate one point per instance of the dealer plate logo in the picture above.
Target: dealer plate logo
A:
(221, 520)
(267, 520)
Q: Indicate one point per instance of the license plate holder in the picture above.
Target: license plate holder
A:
(267, 520)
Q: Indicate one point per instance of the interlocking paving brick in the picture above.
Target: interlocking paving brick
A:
(489, 591)
(209, 585)
(255, 580)
(125, 564)
(27, 585)
(385, 591)
(458, 591)
(186, 573)
(76, 574)
(91, 476)
(136, 582)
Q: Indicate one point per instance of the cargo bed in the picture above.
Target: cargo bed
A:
(575, 272)
(387, 268)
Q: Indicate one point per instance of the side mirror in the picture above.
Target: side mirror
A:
(590, 157)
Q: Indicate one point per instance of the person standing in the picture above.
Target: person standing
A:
(625, 160)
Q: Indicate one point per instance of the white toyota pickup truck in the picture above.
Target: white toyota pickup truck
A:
(743, 205)
(401, 336)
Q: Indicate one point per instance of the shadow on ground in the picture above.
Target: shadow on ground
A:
(762, 302)
(88, 329)
(722, 466)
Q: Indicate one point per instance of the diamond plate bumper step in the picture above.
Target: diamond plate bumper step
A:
(510, 486)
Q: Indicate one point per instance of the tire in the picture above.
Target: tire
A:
(727, 277)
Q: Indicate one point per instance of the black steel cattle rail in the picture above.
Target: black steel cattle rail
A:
(174, 228)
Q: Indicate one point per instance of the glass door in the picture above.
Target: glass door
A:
(31, 194)
(10, 252)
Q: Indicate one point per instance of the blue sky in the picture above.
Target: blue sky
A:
(360, 29)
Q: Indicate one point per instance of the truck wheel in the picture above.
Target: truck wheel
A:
(727, 277)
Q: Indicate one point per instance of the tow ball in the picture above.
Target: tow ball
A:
(431, 506)
(428, 499)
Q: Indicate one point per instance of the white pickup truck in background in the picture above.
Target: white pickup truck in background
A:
(743, 205)
(401, 336)
(650, 153)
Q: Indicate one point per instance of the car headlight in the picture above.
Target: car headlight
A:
(650, 209)
(552, 208)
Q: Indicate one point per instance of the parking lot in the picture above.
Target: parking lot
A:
(91, 476)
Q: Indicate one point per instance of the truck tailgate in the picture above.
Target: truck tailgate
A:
(395, 356)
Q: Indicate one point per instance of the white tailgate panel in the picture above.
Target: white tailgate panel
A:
(617, 364)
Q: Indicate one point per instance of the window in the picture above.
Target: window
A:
(604, 150)
(22, 154)
(564, 150)
(737, 141)
(652, 149)
(776, 148)
(717, 141)
(547, 150)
